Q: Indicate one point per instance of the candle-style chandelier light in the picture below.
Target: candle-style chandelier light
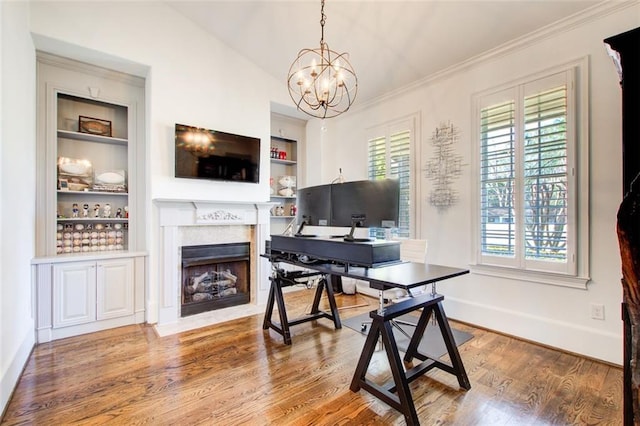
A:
(322, 82)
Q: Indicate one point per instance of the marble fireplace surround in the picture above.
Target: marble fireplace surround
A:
(188, 223)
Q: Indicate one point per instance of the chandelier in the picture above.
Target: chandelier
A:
(322, 82)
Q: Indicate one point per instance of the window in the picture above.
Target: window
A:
(390, 154)
(529, 195)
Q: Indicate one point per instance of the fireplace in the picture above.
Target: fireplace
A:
(215, 276)
(197, 223)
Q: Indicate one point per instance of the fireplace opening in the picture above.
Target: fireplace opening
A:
(214, 277)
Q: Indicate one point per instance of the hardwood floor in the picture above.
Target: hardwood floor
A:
(236, 373)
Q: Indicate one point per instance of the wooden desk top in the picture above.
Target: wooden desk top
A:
(403, 275)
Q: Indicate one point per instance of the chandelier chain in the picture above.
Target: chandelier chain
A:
(323, 19)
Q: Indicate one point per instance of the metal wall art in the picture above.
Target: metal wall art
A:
(444, 167)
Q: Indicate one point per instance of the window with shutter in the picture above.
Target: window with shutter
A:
(529, 196)
(390, 156)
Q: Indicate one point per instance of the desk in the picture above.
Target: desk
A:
(405, 275)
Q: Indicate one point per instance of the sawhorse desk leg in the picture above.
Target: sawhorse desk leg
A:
(456, 367)
(315, 308)
(397, 393)
(276, 296)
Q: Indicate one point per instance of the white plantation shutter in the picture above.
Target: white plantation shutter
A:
(400, 168)
(390, 157)
(545, 175)
(378, 158)
(526, 219)
(497, 180)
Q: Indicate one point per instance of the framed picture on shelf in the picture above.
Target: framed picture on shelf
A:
(63, 184)
(94, 126)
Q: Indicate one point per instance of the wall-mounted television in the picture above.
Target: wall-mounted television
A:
(215, 155)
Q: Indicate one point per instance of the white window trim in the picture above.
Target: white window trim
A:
(410, 122)
(580, 278)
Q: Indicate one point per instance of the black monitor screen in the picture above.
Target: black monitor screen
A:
(365, 204)
(314, 205)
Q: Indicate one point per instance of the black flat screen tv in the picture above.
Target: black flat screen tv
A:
(214, 155)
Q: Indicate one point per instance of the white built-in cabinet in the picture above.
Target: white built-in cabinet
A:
(74, 290)
(90, 268)
(114, 288)
(92, 291)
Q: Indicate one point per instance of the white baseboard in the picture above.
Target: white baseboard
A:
(12, 374)
(569, 337)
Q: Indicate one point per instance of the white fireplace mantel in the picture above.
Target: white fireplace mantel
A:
(209, 222)
(191, 213)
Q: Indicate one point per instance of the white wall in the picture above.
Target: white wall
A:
(552, 315)
(17, 190)
(192, 79)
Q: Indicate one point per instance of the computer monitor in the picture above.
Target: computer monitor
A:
(314, 207)
(365, 204)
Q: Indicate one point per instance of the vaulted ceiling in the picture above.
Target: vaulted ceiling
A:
(391, 43)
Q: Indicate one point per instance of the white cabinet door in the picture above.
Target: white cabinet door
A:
(74, 293)
(115, 288)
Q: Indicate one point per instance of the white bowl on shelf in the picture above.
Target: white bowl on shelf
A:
(287, 181)
(110, 177)
(79, 169)
(286, 192)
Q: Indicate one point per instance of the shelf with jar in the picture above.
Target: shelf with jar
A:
(76, 237)
(83, 229)
(285, 210)
(283, 182)
(95, 212)
(92, 193)
(285, 194)
(283, 150)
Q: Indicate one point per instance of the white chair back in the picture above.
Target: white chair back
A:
(413, 250)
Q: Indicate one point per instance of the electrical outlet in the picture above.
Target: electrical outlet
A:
(597, 311)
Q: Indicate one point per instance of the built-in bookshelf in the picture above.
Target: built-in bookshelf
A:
(283, 182)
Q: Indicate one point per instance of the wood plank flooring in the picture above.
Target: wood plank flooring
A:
(235, 374)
